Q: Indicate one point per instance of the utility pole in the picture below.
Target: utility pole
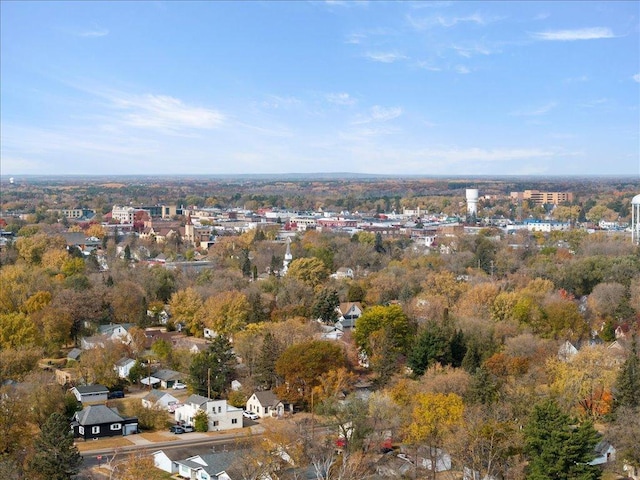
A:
(208, 382)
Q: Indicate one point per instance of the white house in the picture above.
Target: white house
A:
(221, 415)
(211, 466)
(116, 331)
(348, 313)
(158, 399)
(605, 453)
(266, 404)
(123, 367)
(343, 272)
(90, 393)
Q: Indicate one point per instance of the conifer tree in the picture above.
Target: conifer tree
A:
(556, 448)
(56, 457)
(628, 381)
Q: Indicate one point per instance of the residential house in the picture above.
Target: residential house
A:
(74, 354)
(266, 404)
(567, 351)
(343, 272)
(168, 377)
(158, 399)
(211, 466)
(87, 343)
(97, 421)
(116, 332)
(348, 313)
(90, 393)
(222, 416)
(605, 453)
(123, 367)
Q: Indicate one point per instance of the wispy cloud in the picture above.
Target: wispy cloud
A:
(385, 57)
(340, 98)
(594, 33)
(379, 114)
(468, 51)
(594, 103)
(277, 102)
(636, 77)
(355, 38)
(96, 32)
(165, 112)
(447, 22)
(581, 78)
(461, 69)
(546, 108)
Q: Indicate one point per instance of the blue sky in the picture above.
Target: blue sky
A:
(425, 88)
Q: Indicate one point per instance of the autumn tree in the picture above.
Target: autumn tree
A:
(556, 448)
(185, 306)
(225, 313)
(302, 366)
(383, 318)
(434, 417)
(311, 271)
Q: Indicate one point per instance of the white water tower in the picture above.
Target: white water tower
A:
(472, 201)
(635, 220)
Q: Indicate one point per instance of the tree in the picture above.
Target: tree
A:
(265, 368)
(556, 448)
(302, 365)
(185, 305)
(211, 371)
(225, 313)
(201, 421)
(434, 417)
(311, 271)
(325, 304)
(56, 457)
(436, 344)
(628, 381)
(389, 318)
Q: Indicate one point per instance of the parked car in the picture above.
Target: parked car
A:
(115, 394)
(179, 386)
(187, 428)
(177, 429)
(250, 415)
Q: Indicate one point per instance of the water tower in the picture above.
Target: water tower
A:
(472, 201)
(635, 220)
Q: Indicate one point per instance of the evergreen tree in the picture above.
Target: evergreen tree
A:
(432, 346)
(628, 381)
(265, 369)
(246, 264)
(483, 388)
(324, 307)
(212, 369)
(56, 457)
(472, 358)
(127, 253)
(556, 449)
(378, 245)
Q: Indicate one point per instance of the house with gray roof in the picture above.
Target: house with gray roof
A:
(220, 414)
(90, 393)
(267, 404)
(168, 377)
(159, 399)
(98, 421)
(211, 466)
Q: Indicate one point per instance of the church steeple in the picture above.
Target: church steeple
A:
(287, 257)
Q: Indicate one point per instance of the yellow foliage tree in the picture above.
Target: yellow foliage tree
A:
(434, 418)
(226, 312)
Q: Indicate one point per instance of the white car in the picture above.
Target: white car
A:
(250, 415)
(179, 386)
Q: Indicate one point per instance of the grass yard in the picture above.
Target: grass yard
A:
(112, 442)
(158, 437)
